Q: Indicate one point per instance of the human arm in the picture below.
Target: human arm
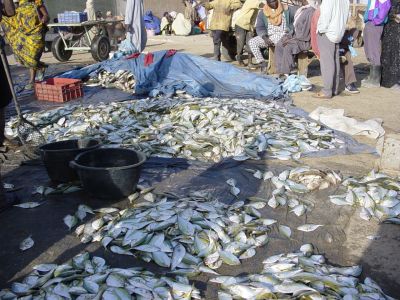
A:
(8, 8)
(268, 41)
(325, 16)
(383, 11)
(261, 28)
(44, 14)
(235, 4)
(209, 5)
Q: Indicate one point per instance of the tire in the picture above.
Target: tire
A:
(100, 48)
(58, 50)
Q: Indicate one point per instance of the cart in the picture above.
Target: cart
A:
(88, 36)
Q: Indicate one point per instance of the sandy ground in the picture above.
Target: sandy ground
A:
(380, 259)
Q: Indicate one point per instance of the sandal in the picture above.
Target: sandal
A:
(29, 87)
(321, 96)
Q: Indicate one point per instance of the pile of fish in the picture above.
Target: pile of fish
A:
(377, 194)
(301, 275)
(83, 278)
(204, 129)
(290, 183)
(188, 235)
(122, 80)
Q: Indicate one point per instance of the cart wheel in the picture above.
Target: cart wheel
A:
(100, 48)
(58, 49)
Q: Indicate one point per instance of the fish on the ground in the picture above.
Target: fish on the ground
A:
(200, 129)
(90, 278)
(300, 275)
(26, 243)
(291, 184)
(188, 235)
(122, 80)
(376, 194)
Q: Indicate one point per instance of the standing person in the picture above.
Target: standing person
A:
(221, 21)
(273, 22)
(25, 33)
(297, 40)
(6, 9)
(375, 18)
(346, 66)
(90, 10)
(134, 23)
(330, 28)
(244, 26)
(391, 48)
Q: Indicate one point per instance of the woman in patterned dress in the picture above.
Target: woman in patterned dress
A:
(25, 34)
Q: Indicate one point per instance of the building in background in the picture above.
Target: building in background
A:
(156, 6)
(116, 6)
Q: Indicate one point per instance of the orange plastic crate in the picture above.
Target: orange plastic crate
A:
(58, 89)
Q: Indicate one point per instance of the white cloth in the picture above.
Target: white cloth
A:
(333, 19)
(201, 11)
(181, 26)
(134, 19)
(335, 119)
(90, 10)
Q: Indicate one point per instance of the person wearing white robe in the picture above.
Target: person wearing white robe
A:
(134, 23)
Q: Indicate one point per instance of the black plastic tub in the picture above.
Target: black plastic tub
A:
(109, 173)
(56, 157)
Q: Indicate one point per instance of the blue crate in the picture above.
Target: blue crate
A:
(72, 17)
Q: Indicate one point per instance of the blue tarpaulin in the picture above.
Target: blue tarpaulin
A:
(196, 75)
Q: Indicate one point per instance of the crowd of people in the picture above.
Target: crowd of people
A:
(320, 26)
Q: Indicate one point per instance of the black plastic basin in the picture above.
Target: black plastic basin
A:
(109, 173)
(56, 157)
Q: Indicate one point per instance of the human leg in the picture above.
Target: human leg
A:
(336, 73)
(217, 44)
(328, 63)
(349, 75)
(284, 59)
(256, 44)
(373, 50)
(372, 43)
(240, 35)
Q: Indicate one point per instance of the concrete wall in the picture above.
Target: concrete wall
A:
(157, 6)
(160, 6)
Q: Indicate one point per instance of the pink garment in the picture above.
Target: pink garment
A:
(314, 24)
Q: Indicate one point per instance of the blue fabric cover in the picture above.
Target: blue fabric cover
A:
(198, 76)
(152, 22)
